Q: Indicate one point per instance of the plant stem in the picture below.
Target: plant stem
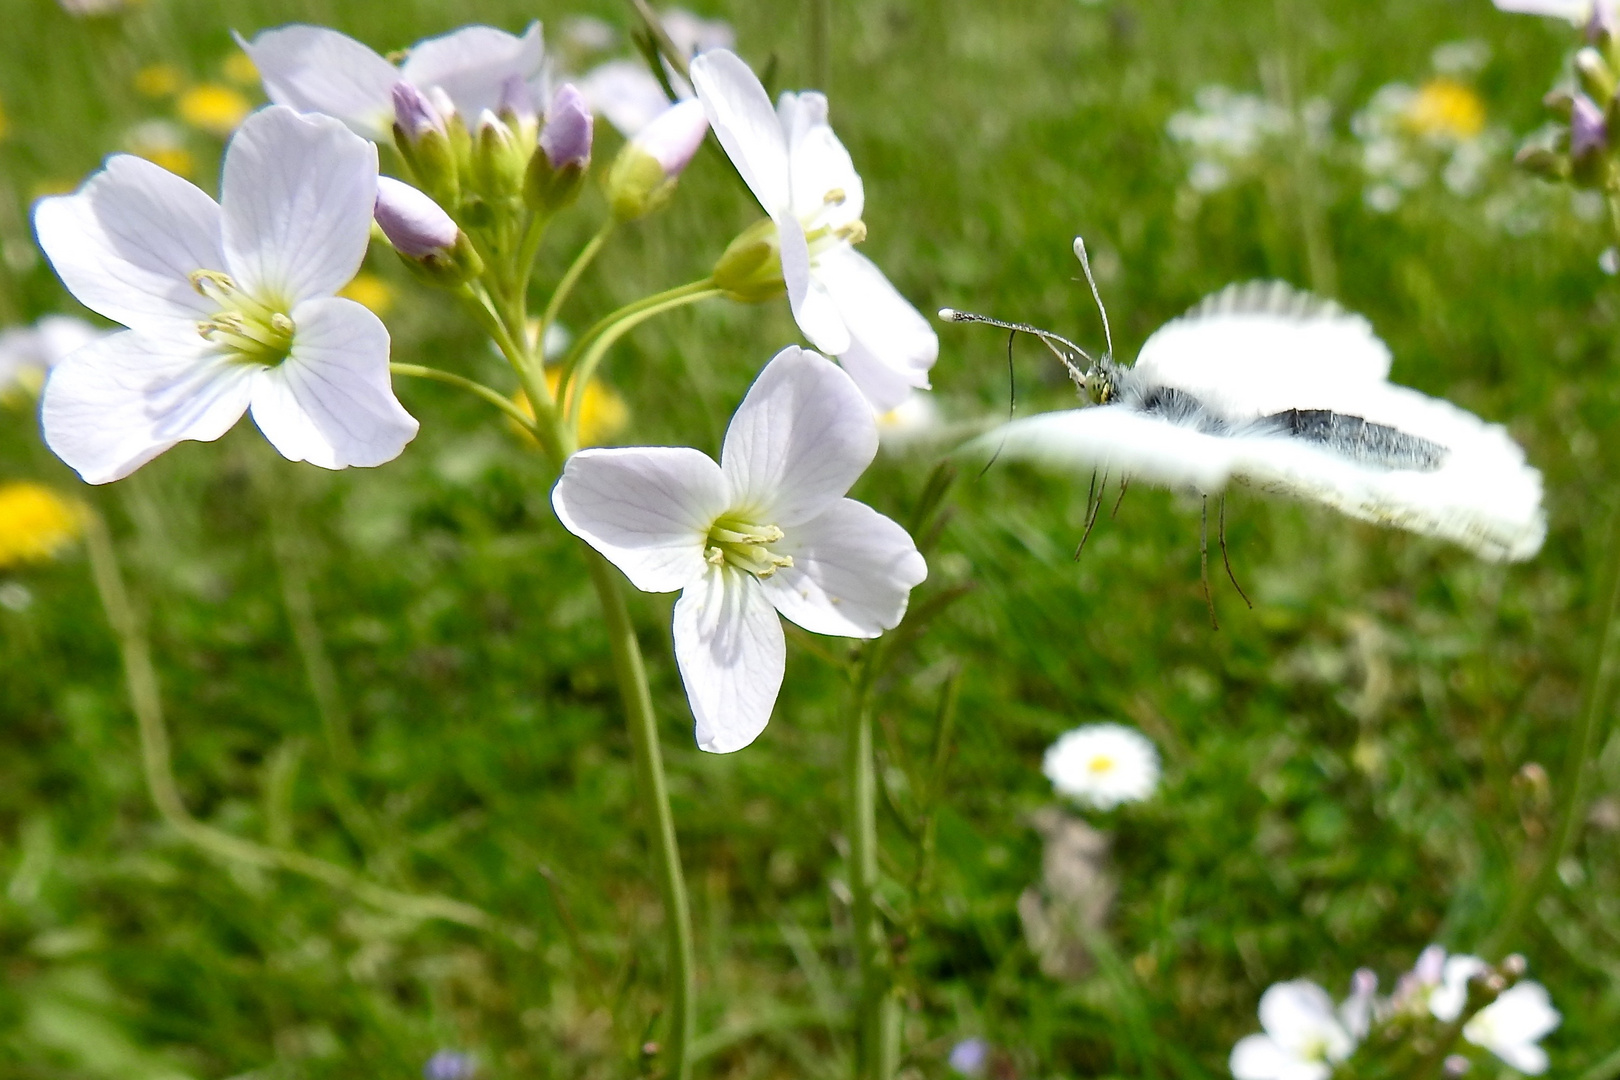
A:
(147, 704)
(450, 378)
(877, 1015)
(570, 278)
(601, 337)
(649, 764)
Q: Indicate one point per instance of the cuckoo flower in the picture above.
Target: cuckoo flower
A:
(1304, 1037)
(629, 95)
(28, 352)
(1509, 1027)
(314, 69)
(229, 305)
(802, 176)
(767, 528)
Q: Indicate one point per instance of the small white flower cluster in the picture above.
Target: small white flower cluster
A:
(1305, 1035)
(1228, 134)
(1103, 765)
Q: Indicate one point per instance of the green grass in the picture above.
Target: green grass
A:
(1343, 764)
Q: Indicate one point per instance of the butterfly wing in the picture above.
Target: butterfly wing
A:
(1118, 440)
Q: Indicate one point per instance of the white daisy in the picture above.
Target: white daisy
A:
(1103, 765)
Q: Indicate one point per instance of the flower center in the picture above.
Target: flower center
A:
(733, 541)
(821, 236)
(1100, 764)
(256, 332)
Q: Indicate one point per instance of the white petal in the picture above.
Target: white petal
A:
(331, 403)
(1448, 999)
(473, 64)
(892, 346)
(798, 441)
(298, 193)
(1300, 1014)
(125, 242)
(316, 70)
(818, 164)
(730, 649)
(1258, 1057)
(1523, 1013)
(119, 402)
(647, 509)
(1528, 1058)
(1576, 11)
(626, 93)
(813, 307)
(740, 113)
(852, 574)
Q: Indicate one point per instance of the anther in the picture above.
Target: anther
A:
(835, 197)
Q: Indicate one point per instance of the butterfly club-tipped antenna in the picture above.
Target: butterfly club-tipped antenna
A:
(1096, 296)
(1070, 355)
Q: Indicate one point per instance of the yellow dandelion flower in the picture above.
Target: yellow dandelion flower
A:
(238, 68)
(370, 290)
(35, 523)
(158, 81)
(602, 412)
(213, 108)
(1446, 107)
(177, 160)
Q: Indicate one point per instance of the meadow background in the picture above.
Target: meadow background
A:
(1347, 767)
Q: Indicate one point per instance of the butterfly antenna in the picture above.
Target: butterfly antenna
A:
(1225, 559)
(1085, 265)
(1065, 350)
(1012, 405)
(1203, 563)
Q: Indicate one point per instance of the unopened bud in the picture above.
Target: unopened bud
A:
(1363, 982)
(1595, 75)
(1588, 130)
(422, 135)
(1543, 161)
(558, 171)
(643, 176)
(1561, 103)
(426, 238)
(1456, 1065)
(499, 161)
(750, 269)
(1514, 966)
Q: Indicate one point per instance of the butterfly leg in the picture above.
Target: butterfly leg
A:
(1227, 560)
(1092, 510)
(1203, 563)
(1124, 486)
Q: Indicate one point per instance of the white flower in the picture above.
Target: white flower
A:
(1447, 999)
(229, 305)
(1303, 1041)
(317, 70)
(1510, 1026)
(1578, 12)
(908, 423)
(767, 528)
(629, 95)
(1103, 765)
(28, 352)
(802, 175)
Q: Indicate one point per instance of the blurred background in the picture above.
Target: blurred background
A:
(1364, 763)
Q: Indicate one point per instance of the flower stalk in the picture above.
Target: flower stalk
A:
(877, 1012)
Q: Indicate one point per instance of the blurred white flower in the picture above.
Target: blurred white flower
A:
(1512, 1025)
(229, 305)
(1303, 1038)
(93, 7)
(1579, 12)
(27, 353)
(1103, 765)
(1228, 133)
(629, 96)
(767, 531)
(909, 422)
(969, 1057)
(804, 179)
(473, 69)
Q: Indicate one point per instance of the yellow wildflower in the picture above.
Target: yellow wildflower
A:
(238, 68)
(158, 81)
(1446, 107)
(602, 412)
(214, 108)
(35, 523)
(370, 290)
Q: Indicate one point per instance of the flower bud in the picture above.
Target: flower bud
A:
(1588, 129)
(426, 238)
(1543, 161)
(499, 161)
(558, 171)
(643, 176)
(421, 132)
(750, 269)
(1595, 75)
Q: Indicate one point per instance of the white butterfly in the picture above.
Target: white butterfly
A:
(1280, 390)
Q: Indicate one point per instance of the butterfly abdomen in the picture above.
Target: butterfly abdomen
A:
(1355, 439)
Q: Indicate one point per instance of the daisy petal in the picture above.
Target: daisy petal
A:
(647, 509)
(117, 403)
(893, 345)
(818, 163)
(330, 403)
(316, 70)
(852, 574)
(730, 649)
(298, 193)
(798, 441)
(473, 64)
(740, 113)
(126, 241)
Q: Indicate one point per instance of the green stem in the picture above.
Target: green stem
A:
(877, 1015)
(147, 704)
(450, 378)
(600, 338)
(649, 764)
(570, 278)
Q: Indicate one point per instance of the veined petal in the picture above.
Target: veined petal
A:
(730, 649)
(317, 70)
(813, 307)
(740, 113)
(331, 403)
(298, 194)
(126, 242)
(647, 509)
(818, 164)
(852, 574)
(798, 441)
(472, 65)
(119, 402)
(892, 346)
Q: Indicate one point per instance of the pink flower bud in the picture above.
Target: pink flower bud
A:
(673, 136)
(566, 139)
(414, 113)
(415, 224)
(1588, 130)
